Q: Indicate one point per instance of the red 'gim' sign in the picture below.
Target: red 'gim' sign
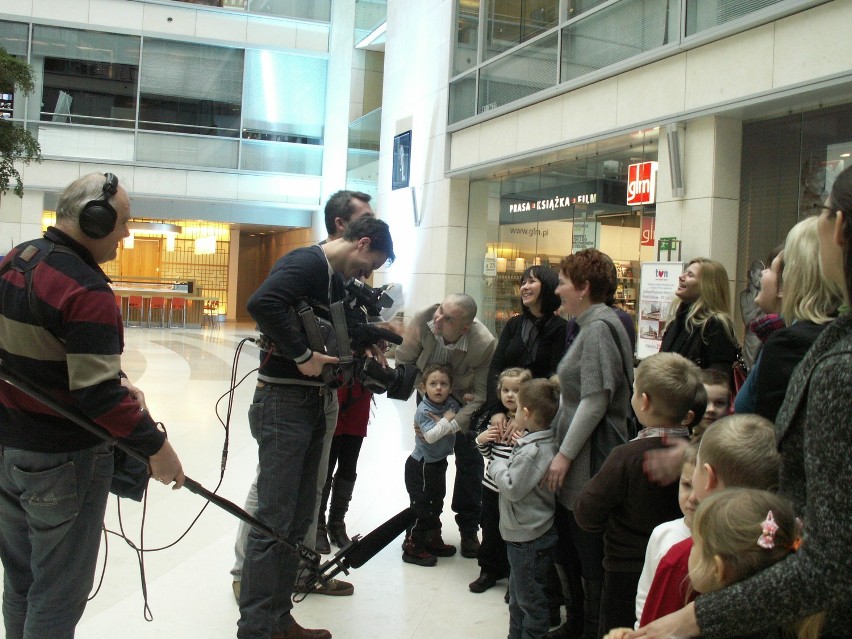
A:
(642, 183)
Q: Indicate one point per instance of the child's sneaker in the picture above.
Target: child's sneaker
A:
(417, 556)
(436, 546)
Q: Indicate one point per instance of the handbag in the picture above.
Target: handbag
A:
(606, 435)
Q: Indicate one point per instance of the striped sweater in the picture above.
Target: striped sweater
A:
(70, 347)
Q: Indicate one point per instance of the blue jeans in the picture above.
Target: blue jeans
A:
(288, 422)
(529, 614)
(51, 513)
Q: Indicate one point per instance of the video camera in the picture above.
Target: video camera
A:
(347, 329)
(365, 305)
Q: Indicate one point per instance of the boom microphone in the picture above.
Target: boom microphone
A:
(361, 550)
(365, 549)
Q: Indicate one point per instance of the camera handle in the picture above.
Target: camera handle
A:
(330, 375)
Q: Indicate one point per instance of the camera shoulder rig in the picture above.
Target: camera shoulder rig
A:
(332, 375)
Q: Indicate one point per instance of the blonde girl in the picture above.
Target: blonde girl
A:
(739, 532)
(496, 442)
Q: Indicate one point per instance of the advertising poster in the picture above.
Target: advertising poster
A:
(656, 294)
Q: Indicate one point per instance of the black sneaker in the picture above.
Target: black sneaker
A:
(482, 583)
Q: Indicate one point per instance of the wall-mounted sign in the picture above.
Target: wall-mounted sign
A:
(642, 183)
(656, 293)
(401, 160)
(648, 227)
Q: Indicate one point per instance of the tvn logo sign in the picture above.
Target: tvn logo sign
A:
(642, 183)
(662, 275)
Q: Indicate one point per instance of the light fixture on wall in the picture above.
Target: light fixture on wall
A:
(537, 260)
(502, 264)
(520, 264)
(129, 241)
(170, 242)
(675, 134)
(205, 245)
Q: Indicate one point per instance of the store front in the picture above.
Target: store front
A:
(595, 200)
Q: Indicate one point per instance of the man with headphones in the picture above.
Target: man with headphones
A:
(60, 328)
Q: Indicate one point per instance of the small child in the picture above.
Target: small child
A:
(527, 510)
(737, 533)
(718, 387)
(668, 534)
(493, 443)
(619, 500)
(426, 469)
(736, 451)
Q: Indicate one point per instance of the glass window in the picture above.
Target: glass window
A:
(14, 37)
(284, 97)
(190, 88)
(704, 14)
(576, 7)
(617, 33)
(87, 77)
(463, 98)
(510, 22)
(541, 215)
(467, 36)
(523, 72)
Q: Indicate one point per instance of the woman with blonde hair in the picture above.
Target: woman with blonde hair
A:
(795, 286)
(700, 326)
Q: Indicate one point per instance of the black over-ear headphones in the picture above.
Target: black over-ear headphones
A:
(98, 217)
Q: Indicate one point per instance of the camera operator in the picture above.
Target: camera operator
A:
(342, 209)
(287, 418)
(449, 333)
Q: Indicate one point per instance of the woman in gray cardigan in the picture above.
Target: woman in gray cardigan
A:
(814, 429)
(593, 385)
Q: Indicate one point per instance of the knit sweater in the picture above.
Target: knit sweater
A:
(620, 501)
(527, 510)
(814, 429)
(593, 366)
(72, 351)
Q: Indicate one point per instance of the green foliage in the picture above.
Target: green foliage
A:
(16, 143)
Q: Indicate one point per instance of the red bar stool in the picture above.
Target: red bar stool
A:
(157, 304)
(177, 304)
(211, 314)
(134, 303)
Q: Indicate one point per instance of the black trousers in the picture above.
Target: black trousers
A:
(426, 483)
(492, 557)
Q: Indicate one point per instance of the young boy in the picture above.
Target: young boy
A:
(736, 451)
(668, 534)
(718, 388)
(426, 469)
(527, 510)
(620, 500)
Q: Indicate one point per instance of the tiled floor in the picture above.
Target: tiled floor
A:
(183, 373)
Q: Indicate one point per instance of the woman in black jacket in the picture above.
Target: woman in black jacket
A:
(700, 326)
(535, 339)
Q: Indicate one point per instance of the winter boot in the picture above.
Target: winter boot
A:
(341, 495)
(414, 551)
(322, 545)
(435, 545)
